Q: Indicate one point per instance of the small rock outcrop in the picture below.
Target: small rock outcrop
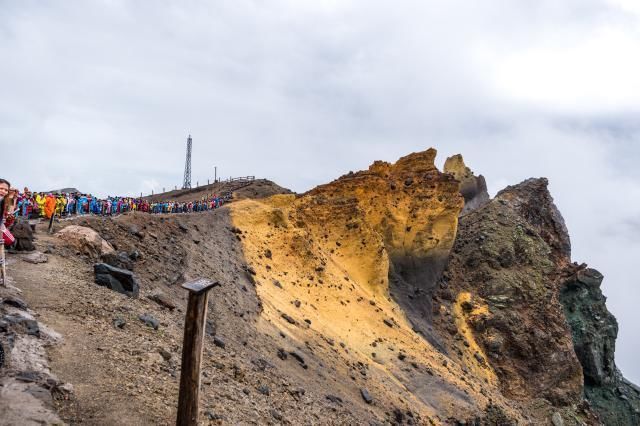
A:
(532, 200)
(162, 300)
(35, 258)
(594, 330)
(86, 241)
(116, 279)
(23, 234)
(149, 321)
(120, 260)
(28, 387)
(473, 188)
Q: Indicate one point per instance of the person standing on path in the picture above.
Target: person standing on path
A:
(5, 188)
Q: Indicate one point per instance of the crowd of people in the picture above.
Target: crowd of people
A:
(34, 205)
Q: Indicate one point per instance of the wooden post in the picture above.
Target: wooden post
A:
(50, 230)
(194, 328)
(3, 267)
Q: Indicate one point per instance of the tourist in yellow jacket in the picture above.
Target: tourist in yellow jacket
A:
(61, 205)
(40, 199)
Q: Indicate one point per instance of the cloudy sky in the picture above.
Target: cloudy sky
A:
(101, 95)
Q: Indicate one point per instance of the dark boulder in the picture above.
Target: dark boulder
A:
(116, 279)
(149, 321)
(219, 342)
(15, 302)
(20, 324)
(119, 322)
(163, 300)
(120, 260)
(366, 396)
(23, 235)
(288, 319)
(334, 399)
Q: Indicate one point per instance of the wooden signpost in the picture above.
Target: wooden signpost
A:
(53, 216)
(194, 328)
(3, 267)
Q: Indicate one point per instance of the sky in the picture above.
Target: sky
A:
(101, 95)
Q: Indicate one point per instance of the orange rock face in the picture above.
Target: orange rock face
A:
(355, 262)
(409, 207)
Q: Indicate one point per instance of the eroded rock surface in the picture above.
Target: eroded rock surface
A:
(499, 296)
(594, 331)
(473, 188)
(27, 385)
(355, 262)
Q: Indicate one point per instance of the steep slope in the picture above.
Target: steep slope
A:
(594, 330)
(352, 265)
(510, 288)
(500, 289)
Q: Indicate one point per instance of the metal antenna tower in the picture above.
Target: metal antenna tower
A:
(187, 166)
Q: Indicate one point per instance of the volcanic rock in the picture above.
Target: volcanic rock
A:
(120, 260)
(116, 279)
(366, 396)
(532, 201)
(149, 321)
(473, 188)
(23, 324)
(594, 330)
(23, 235)
(85, 241)
(119, 322)
(515, 309)
(35, 258)
(219, 342)
(162, 300)
(15, 302)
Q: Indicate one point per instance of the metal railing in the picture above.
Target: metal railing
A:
(242, 178)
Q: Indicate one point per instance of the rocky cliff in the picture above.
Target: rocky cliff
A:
(498, 299)
(538, 320)
(400, 294)
(594, 331)
(482, 294)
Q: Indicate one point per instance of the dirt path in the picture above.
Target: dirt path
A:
(97, 358)
(130, 375)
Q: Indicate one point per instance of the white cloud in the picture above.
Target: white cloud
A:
(594, 74)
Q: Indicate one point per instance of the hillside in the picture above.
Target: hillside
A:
(378, 298)
(241, 188)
